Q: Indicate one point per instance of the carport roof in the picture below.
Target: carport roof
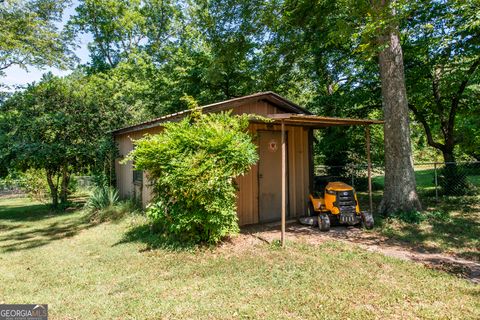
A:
(319, 121)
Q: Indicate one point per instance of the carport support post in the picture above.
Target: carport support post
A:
(284, 183)
(369, 168)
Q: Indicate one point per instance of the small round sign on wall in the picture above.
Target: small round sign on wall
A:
(273, 145)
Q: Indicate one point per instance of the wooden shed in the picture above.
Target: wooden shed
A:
(259, 197)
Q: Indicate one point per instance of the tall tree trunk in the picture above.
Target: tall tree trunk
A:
(452, 179)
(400, 192)
(448, 155)
(53, 189)
(64, 187)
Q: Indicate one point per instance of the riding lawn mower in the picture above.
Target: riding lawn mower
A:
(337, 203)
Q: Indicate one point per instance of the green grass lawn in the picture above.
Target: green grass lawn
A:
(454, 229)
(86, 271)
(451, 226)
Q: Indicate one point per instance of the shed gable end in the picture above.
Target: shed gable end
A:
(260, 107)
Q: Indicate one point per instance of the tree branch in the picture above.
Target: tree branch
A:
(97, 37)
(458, 95)
(6, 65)
(435, 88)
(421, 118)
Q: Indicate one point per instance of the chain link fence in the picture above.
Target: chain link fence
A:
(435, 180)
(11, 188)
(84, 182)
(18, 187)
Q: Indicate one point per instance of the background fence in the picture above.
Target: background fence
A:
(11, 187)
(17, 187)
(435, 180)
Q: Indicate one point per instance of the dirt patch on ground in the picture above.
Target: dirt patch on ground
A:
(370, 241)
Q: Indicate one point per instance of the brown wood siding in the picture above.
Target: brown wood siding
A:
(124, 172)
(298, 177)
(247, 197)
(262, 108)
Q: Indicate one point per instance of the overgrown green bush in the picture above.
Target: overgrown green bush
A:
(192, 165)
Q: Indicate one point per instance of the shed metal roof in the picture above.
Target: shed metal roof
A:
(275, 99)
(295, 115)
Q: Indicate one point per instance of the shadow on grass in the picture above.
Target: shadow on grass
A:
(457, 231)
(27, 213)
(457, 235)
(42, 235)
(455, 228)
(26, 226)
(155, 240)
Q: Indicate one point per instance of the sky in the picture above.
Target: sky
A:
(15, 75)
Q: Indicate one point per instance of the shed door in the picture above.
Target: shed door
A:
(270, 175)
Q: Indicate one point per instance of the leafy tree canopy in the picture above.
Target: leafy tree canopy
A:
(29, 34)
(58, 125)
